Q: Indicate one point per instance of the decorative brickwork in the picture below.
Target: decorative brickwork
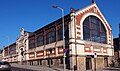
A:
(81, 64)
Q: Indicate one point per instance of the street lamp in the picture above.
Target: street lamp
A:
(63, 33)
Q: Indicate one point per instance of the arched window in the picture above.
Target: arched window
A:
(94, 30)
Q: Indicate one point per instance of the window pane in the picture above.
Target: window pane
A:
(102, 28)
(40, 40)
(86, 23)
(103, 37)
(61, 61)
(32, 43)
(86, 30)
(60, 32)
(50, 37)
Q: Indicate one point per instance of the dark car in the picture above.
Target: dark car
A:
(5, 66)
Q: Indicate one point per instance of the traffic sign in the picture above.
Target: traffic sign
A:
(64, 50)
(95, 55)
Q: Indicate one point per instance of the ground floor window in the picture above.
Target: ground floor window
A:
(67, 62)
(88, 63)
(31, 62)
(106, 62)
(61, 61)
(50, 62)
(39, 62)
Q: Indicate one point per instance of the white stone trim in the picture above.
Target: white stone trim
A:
(90, 6)
(98, 50)
(31, 55)
(39, 54)
(84, 9)
(102, 16)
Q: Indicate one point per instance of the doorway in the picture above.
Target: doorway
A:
(88, 63)
(106, 62)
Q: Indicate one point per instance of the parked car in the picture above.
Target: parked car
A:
(5, 66)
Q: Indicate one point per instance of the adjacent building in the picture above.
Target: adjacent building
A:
(87, 33)
(1, 57)
(117, 49)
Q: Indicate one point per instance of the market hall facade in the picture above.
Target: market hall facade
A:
(87, 33)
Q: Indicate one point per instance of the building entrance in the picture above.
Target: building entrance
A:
(106, 62)
(88, 63)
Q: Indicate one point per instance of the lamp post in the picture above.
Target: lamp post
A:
(63, 33)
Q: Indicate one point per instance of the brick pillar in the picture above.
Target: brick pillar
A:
(99, 62)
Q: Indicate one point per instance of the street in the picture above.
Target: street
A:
(17, 67)
(20, 69)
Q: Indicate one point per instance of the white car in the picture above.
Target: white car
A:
(5, 66)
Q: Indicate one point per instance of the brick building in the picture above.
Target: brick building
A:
(87, 32)
(117, 49)
(1, 54)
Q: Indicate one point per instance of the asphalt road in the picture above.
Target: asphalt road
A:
(17, 67)
(20, 69)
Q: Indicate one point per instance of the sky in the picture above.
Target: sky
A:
(34, 14)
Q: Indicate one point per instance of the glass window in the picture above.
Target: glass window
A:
(50, 61)
(40, 41)
(60, 32)
(50, 37)
(40, 62)
(102, 28)
(12, 50)
(86, 29)
(31, 44)
(37, 62)
(6, 51)
(94, 30)
(61, 61)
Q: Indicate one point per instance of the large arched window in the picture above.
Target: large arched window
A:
(94, 30)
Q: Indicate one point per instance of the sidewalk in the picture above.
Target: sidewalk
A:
(40, 68)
